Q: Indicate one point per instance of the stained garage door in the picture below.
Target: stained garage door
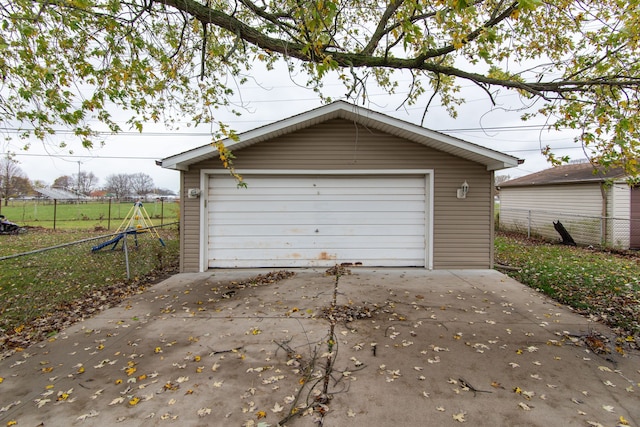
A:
(305, 221)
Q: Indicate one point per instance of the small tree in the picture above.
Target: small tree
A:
(11, 178)
(141, 183)
(64, 182)
(85, 182)
(118, 184)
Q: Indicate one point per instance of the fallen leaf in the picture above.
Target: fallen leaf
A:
(440, 408)
(528, 394)
(459, 417)
(90, 414)
(116, 401)
(351, 413)
(277, 408)
(41, 402)
(524, 406)
(608, 408)
(203, 412)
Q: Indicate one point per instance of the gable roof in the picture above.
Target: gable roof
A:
(492, 159)
(566, 174)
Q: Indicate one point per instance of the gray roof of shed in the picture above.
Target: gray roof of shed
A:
(493, 160)
(566, 174)
(60, 194)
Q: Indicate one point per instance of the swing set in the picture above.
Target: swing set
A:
(136, 222)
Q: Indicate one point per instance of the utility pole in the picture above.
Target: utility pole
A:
(78, 183)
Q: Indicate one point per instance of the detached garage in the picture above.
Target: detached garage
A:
(339, 184)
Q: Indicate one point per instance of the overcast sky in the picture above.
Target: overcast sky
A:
(274, 96)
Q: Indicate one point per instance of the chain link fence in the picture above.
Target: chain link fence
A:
(104, 214)
(585, 230)
(36, 283)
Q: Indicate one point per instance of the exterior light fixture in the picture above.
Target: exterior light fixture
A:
(463, 190)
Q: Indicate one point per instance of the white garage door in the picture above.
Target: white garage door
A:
(304, 221)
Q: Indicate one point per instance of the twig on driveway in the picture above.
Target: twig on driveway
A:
(465, 384)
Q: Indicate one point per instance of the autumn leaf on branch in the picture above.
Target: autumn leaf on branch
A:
(73, 63)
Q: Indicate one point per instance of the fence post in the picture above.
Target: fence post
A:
(55, 208)
(126, 254)
(109, 215)
(161, 210)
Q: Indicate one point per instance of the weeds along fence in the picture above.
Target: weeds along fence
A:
(32, 284)
(585, 230)
(103, 214)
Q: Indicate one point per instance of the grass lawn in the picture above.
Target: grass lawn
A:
(84, 215)
(593, 282)
(42, 293)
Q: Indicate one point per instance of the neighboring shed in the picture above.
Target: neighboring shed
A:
(339, 184)
(597, 207)
(61, 195)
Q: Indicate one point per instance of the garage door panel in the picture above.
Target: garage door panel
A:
(301, 258)
(323, 206)
(309, 230)
(318, 242)
(293, 221)
(310, 191)
(317, 218)
(322, 181)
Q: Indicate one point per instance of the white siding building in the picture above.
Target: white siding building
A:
(595, 207)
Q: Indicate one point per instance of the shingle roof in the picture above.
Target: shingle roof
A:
(566, 174)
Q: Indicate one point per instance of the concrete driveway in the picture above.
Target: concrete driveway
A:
(373, 348)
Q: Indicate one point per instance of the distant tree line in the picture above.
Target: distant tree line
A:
(14, 183)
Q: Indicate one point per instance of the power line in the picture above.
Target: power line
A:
(82, 156)
(173, 134)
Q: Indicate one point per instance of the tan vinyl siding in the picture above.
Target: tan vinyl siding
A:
(462, 228)
(189, 225)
